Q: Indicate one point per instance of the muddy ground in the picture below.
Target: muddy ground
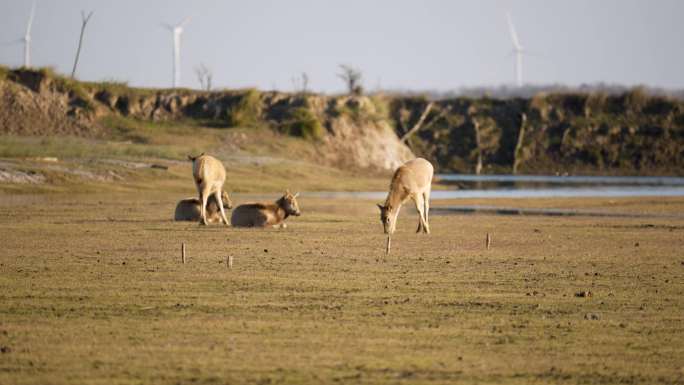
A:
(93, 291)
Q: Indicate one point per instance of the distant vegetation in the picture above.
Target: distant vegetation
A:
(627, 132)
(352, 78)
(529, 91)
(631, 132)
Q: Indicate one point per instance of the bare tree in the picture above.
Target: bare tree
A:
(84, 22)
(301, 83)
(478, 144)
(517, 153)
(422, 124)
(204, 76)
(352, 79)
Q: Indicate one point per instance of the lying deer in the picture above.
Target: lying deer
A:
(412, 180)
(189, 209)
(209, 175)
(266, 214)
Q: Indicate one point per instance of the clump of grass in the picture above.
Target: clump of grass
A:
(246, 112)
(119, 88)
(113, 87)
(380, 108)
(303, 122)
(73, 88)
(350, 109)
(4, 72)
(596, 102)
(635, 100)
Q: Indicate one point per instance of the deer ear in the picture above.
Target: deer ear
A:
(190, 158)
(381, 207)
(287, 192)
(296, 195)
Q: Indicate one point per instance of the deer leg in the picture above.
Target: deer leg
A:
(418, 200)
(426, 211)
(217, 194)
(420, 222)
(204, 196)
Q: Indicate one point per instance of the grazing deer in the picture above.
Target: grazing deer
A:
(412, 180)
(189, 209)
(209, 175)
(266, 214)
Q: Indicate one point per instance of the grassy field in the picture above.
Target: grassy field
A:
(256, 159)
(92, 291)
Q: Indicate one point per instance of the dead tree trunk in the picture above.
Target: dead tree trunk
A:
(84, 22)
(418, 124)
(476, 127)
(517, 159)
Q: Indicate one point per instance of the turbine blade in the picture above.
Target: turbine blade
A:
(183, 23)
(30, 20)
(514, 35)
(12, 42)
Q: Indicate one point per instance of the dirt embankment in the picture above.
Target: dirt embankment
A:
(347, 131)
(631, 133)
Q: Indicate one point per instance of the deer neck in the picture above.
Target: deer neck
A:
(395, 198)
(280, 211)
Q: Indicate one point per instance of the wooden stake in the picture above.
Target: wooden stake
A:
(389, 245)
(183, 252)
(229, 262)
(488, 241)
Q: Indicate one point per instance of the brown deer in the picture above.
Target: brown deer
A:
(266, 214)
(209, 175)
(189, 209)
(412, 180)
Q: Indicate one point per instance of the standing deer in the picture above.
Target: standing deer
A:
(413, 181)
(209, 175)
(266, 214)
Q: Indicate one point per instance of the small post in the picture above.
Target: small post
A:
(488, 241)
(389, 245)
(183, 252)
(229, 262)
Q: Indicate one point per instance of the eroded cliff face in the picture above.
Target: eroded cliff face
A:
(346, 131)
(32, 105)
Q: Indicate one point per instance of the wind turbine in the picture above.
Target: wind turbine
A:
(27, 37)
(177, 31)
(518, 50)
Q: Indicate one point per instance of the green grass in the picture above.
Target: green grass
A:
(73, 147)
(246, 112)
(4, 72)
(256, 159)
(302, 122)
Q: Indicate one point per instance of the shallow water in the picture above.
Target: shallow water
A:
(539, 186)
(565, 192)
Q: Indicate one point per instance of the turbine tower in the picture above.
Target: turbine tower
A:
(177, 31)
(518, 51)
(26, 39)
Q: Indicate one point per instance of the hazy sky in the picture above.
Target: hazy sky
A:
(426, 44)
